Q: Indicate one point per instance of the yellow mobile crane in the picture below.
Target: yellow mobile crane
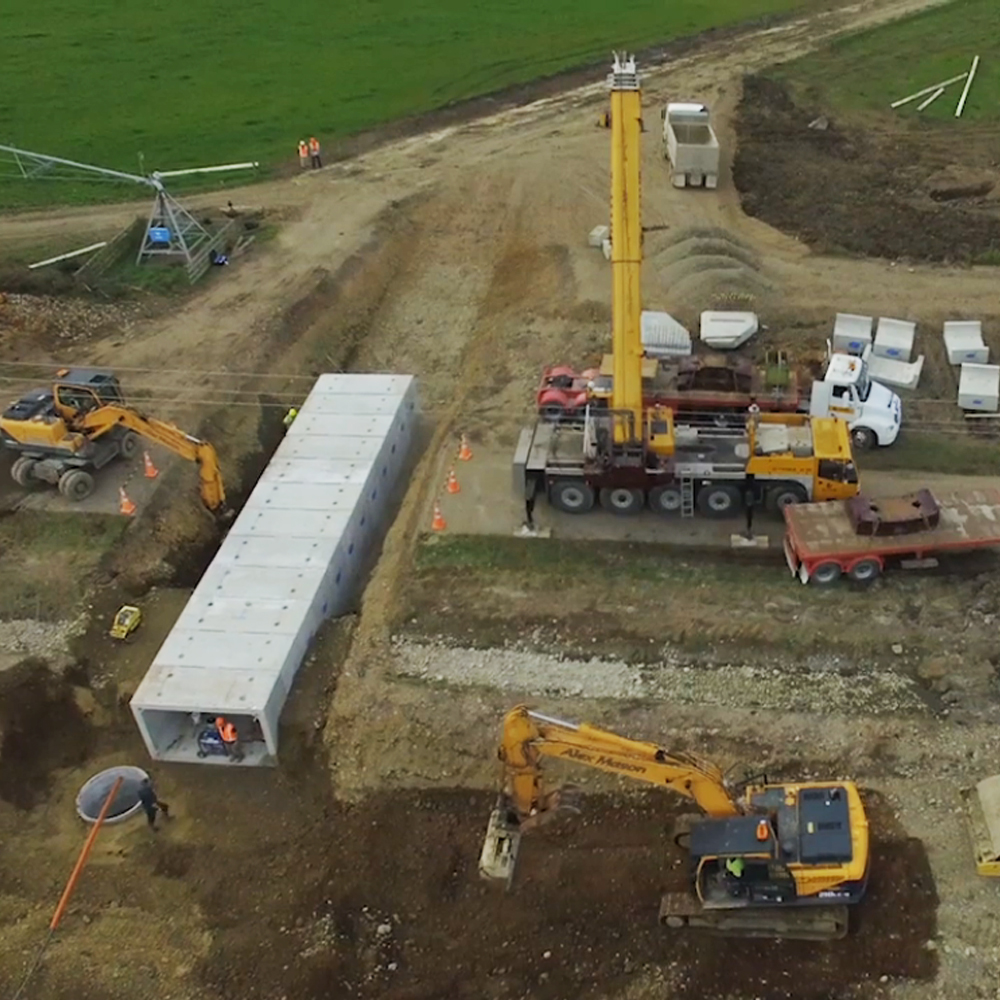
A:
(65, 433)
(766, 860)
(630, 454)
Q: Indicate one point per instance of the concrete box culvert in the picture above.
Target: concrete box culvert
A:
(90, 799)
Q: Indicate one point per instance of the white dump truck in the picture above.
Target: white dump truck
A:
(689, 143)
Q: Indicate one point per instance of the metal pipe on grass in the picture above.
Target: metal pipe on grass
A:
(927, 90)
(965, 90)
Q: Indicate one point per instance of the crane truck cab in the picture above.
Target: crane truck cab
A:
(872, 411)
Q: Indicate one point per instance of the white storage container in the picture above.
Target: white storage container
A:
(963, 340)
(894, 339)
(979, 387)
(664, 337)
(852, 333)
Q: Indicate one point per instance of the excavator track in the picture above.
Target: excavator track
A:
(806, 923)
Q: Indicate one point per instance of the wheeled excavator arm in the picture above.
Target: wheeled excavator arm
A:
(104, 418)
(529, 736)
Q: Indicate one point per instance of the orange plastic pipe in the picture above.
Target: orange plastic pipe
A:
(84, 854)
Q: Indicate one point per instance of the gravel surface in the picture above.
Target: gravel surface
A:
(30, 637)
(767, 687)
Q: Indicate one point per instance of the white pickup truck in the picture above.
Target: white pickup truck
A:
(689, 143)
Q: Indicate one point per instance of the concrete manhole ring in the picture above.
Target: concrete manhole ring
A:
(126, 804)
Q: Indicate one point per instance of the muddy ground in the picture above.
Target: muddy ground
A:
(349, 870)
(882, 189)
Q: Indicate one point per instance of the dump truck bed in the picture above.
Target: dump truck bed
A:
(970, 519)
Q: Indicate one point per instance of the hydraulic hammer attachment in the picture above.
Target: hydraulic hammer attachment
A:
(500, 847)
(982, 810)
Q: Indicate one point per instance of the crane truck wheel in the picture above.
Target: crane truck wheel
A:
(622, 501)
(863, 439)
(76, 485)
(129, 444)
(552, 413)
(666, 500)
(780, 497)
(572, 496)
(719, 500)
(21, 471)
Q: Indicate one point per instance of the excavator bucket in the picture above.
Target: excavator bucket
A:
(982, 809)
(500, 847)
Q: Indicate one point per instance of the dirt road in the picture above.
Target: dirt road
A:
(461, 256)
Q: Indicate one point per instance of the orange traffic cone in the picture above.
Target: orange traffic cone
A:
(452, 484)
(126, 506)
(438, 523)
(150, 470)
(464, 451)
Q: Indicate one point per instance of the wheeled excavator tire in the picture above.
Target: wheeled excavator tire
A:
(680, 911)
(20, 471)
(76, 485)
(129, 445)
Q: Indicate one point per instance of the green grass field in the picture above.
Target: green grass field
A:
(868, 72)
(198, 82)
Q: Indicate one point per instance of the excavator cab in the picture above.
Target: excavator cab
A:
(78, 391)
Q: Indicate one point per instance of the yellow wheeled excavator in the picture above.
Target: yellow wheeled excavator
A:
(766, 860)
(64, 434)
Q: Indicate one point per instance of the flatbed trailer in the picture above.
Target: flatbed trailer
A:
(823, 541)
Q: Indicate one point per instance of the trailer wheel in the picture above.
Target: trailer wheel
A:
(865, 571)
(21, 471)
(76, 485)
(552, 413)
(720, 500)
(825, 573)
(780, 497)
(622, 501)
(571, 496)
(666, 500)
(129, 444)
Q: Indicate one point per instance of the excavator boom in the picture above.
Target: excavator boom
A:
(99, 421)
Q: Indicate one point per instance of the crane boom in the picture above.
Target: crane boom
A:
(626, 251)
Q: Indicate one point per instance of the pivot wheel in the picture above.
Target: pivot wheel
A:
(21, 471)
(665, 500)
(572, 496)
(622, 501)
(76, 484)
(129, 444)
(719, 501)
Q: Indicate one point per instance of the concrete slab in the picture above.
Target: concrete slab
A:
(963, 340)
(663, 336)
(899, 374)
(725, 331)
(293, 557)
(894, 339)
(852, 333)
(979, 388)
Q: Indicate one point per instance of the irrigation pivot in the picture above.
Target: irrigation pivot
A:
(171, 230)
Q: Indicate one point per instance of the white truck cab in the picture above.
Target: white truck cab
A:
(872, 411)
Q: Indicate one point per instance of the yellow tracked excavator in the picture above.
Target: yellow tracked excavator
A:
(64, 434)
(766, 860)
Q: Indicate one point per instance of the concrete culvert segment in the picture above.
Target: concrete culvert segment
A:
(90, 799)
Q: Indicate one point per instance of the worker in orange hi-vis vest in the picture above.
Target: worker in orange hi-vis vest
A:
(314, 153)
(303, 154)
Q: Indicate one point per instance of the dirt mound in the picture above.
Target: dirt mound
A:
(42, 728)
(699, 263)
(850, 188)
(956, 182)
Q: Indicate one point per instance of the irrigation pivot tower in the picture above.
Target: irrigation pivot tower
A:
(171, 230)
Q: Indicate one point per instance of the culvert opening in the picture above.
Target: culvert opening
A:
(91, 798)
